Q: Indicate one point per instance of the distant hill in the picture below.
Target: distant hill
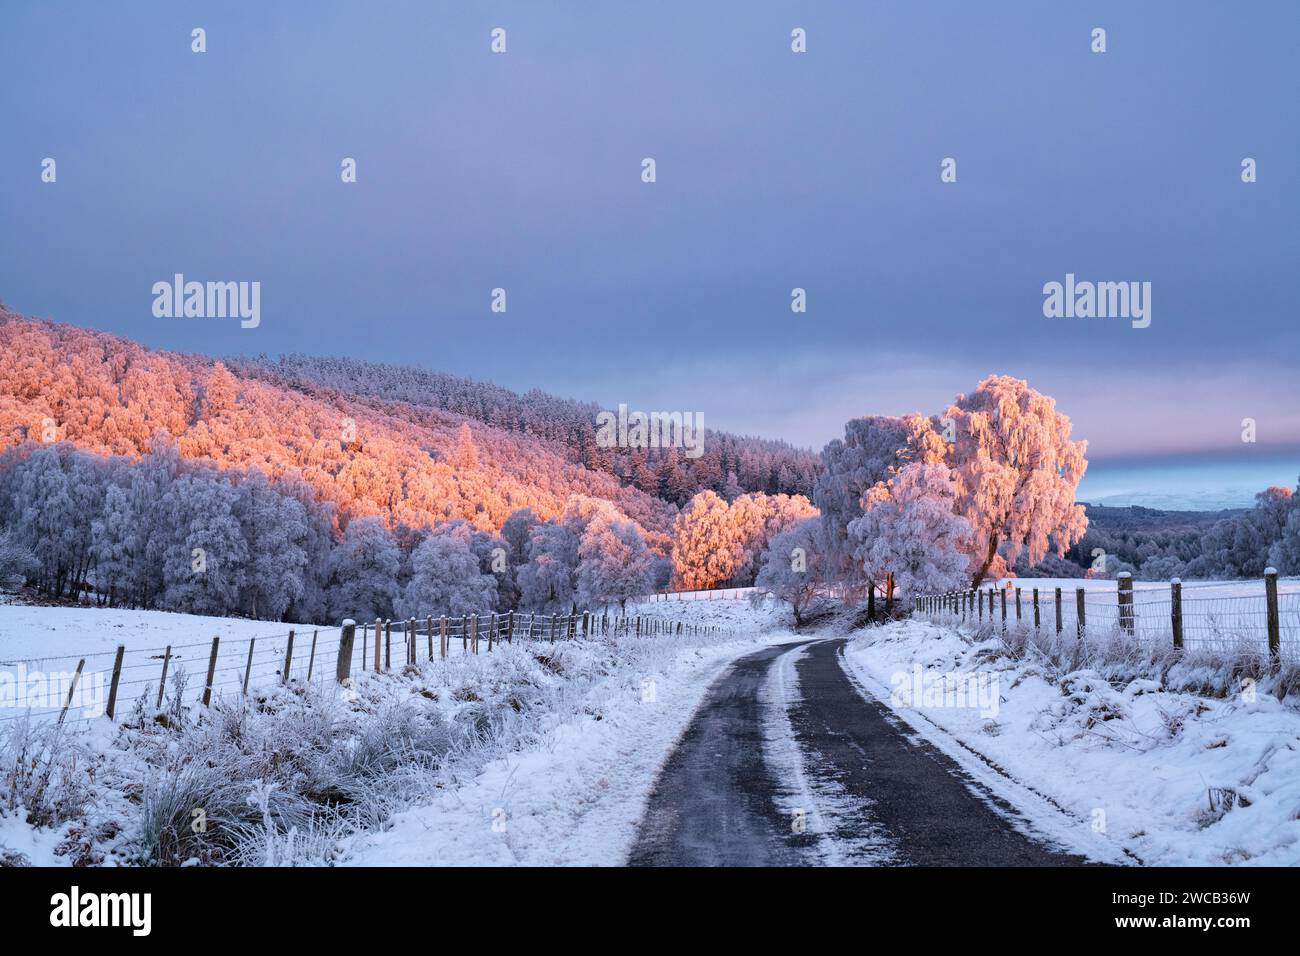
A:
(1138, 518)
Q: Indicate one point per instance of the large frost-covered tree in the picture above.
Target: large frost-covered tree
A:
(1016, 473)
(908, 530)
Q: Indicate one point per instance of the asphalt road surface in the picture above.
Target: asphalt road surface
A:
(894, 800)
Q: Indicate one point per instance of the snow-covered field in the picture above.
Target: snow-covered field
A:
(1169, 777)
(1216, 615)
(43, 645)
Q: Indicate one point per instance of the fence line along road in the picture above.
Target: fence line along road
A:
(1267, 621)
(69, 691)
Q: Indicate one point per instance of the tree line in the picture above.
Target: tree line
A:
(180, 534)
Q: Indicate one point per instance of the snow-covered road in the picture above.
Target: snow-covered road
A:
(790, 761)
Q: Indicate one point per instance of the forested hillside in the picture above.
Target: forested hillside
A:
(730, 464)
(323, 488)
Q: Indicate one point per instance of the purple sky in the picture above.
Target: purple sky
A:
(775, 170)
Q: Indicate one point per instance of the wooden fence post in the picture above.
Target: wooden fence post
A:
(1058, 610)
(1004, 608)
(364, 645)
(311, 658)
(980, 605)
(492, 630)
(117, 675)
(1124, 580)
(212, 672)
(510, 627)
(288, 660)
(343, 666)
(72, 689)
(379, 653)
(1037, 618)
(473, 623)
(1017, 605)
(1080, 612)
(1274, 626)
(162, 681)
(248, 666)
(442, 635)
(1176, 611)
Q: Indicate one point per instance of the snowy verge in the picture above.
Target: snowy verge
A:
(565, 738)
(575, 795)
(1167, 777)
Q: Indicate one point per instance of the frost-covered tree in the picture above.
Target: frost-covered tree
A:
(1160, 567)
(1284, 553)
(17, 562)
(274, 527)
(706, 548)
(614, 564)
(873, 449)
(446, 579)
(364, 569)
(718, 543)
(792, 567)
(205, 557)
(1016, 473)
(548, 580)
(908, 529)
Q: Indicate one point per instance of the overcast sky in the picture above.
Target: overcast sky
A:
(775, 170)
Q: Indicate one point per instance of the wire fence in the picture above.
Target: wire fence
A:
(1186, 615)
(84, 687)
(704, 594)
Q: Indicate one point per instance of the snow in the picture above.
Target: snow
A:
(554, 747)
(574, 796)
(36, 639)
(1133, 763)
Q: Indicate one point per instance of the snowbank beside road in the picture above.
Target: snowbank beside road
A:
(575, 794)
(1172, 778)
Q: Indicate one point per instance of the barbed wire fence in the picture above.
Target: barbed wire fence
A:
(1268, 622)
(64, 688)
